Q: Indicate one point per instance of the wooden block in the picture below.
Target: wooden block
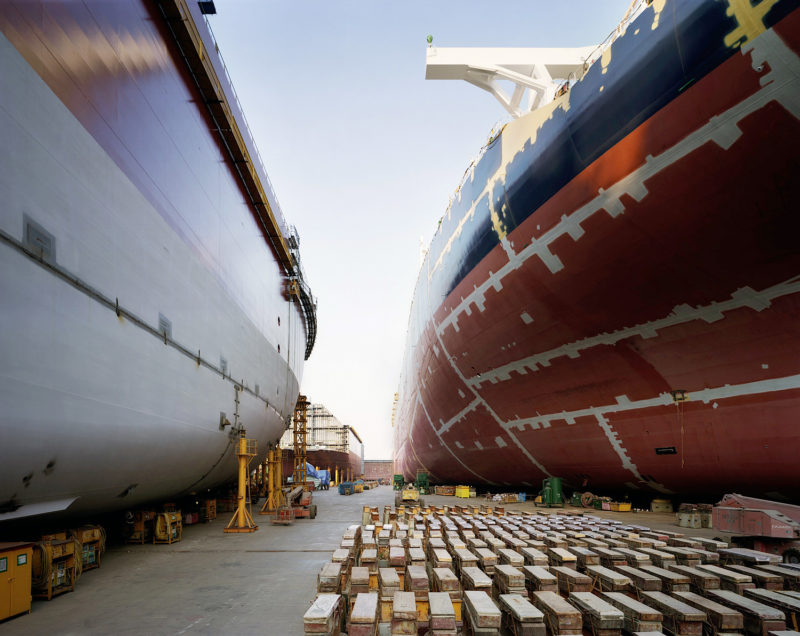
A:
(487, 560)
(441, 558)
(641, 580)
(508, 580)
(404, 614)
(329, 578)
(562, 557)
(561, 617)
(539, 579)
(570, 580)
(791, 578)
(397, 557)
(473, 578)
(635, 558)
(462, 558)
(532, 556)
(364, 616)
(611, 558)
(639, 617)
(483, 613)
(599, 617)
(389, 582)
(324, 615)
(607, 579)
(788, 604)
(670, 581)
(680, 618)
(441, 611)
(684, 556)
(520, 617)
(729, 579)
(416, 556)
(659, 557)
(701, 580)
(763, 579)
(584, 557)
(719, 617)
(444, 580)
(416, 580)
(759, 619)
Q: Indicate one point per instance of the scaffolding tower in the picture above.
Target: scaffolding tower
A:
(300, 438)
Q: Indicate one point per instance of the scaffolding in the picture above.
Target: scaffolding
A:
(324, 431)
(300, 438)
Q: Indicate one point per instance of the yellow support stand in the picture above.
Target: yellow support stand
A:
(275, 497)
(242, 520)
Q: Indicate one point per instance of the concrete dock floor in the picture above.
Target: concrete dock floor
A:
(216, 583)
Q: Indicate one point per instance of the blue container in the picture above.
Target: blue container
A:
(521, 496)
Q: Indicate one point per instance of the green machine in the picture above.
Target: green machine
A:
(421, 482)
(551, 493)
(398, 482)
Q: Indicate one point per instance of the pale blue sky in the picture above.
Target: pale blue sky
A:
(364, 154)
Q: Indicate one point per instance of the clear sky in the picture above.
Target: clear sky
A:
(364, 154)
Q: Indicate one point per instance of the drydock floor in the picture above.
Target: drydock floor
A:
(216, 583)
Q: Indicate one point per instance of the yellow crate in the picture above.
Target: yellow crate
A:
(462, 492)
(620, 506)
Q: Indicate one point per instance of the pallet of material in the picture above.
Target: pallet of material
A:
(404, 614)
(495, 544)
(584, 557)
(416, 580)
(329, 579)
(600, 618)
(659, 557)
(562, 557)
(610, 557)
(684, 542)
(759, 619)
(520, 617)
(463, 558)
(720, 619)
(481, 615)
(789, 605)
(532, 556)
(364, 616)
(508, 580)
(359, 581)
(764, 579)
(670, 581)
(487, 560)
(791, 578)
(729, 579)
(560, 617)
(539, 579)
(475, 579)
(680, 619)
(442, 614)
(635, 558)
(607, 579)
(474, 543)
(511, 557)
(639, 617)
(641, 580)
(701, 580)
(324, 616)
(555, 540)
(684, 556)
(746, 556)
(714, 545)
(570, 580)
(441, 559)
(416, 556)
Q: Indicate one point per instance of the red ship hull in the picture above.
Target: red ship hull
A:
(640, 329)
